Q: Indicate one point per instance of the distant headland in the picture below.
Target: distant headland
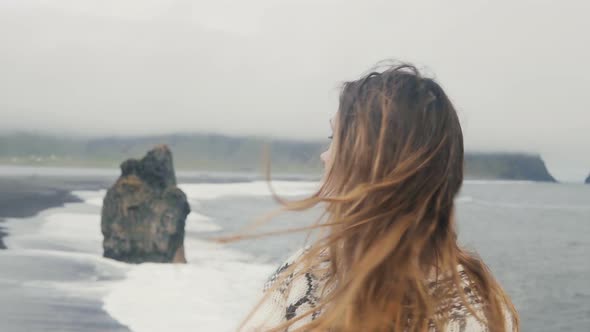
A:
(214, 152)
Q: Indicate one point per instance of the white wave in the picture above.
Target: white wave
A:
(214, 292)
(510, 205)
(80, 257)
(464, 199)
(57, 229)
(79, 230)
(200, 191)
(211, 293)
(93, 198)
(485, 182)
(199, 223)
(204, 191)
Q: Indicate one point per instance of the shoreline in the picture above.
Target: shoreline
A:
(207, 175)
(519, 214)
(26, 191)
(24, 197)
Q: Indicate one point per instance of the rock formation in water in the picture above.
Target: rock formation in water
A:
(507, 166)
(588, 179)
(144, 212)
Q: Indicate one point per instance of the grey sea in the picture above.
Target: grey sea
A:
(535, 238)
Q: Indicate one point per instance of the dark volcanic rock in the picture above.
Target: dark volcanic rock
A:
(144, 213)
(588, 179)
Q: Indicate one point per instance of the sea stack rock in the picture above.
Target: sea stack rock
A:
(144, 212)
(588, 179)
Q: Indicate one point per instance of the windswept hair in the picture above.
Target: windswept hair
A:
(389, 225)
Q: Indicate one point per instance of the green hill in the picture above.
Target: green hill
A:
(224, 153)
(191, 152)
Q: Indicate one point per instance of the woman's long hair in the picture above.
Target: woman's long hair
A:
(389, 227)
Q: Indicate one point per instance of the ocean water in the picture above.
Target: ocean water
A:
(535, 238)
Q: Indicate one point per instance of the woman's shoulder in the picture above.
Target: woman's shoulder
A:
(285, 272)
(275, 303)
(465, 307)
(293, 272)
(290, 291)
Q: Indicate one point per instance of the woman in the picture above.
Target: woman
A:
(387, 258)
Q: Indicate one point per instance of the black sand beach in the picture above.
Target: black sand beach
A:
(25, 303)
(25, 196)
(46, 310)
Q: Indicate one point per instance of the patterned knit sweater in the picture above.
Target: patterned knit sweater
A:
(298, 295)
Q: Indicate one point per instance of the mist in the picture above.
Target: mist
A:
(517, 71)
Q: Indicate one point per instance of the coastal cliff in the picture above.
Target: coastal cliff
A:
(211, 152)
(507, 166)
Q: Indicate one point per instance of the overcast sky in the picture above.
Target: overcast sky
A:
(518, 71)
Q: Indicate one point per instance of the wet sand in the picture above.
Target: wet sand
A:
(25, 193)
(26, 304)
(39, 308)
(25, 196)
(29, 302)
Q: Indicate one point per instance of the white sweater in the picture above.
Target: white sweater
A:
(301, 294)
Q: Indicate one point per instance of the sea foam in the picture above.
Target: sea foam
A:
(214, 291)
